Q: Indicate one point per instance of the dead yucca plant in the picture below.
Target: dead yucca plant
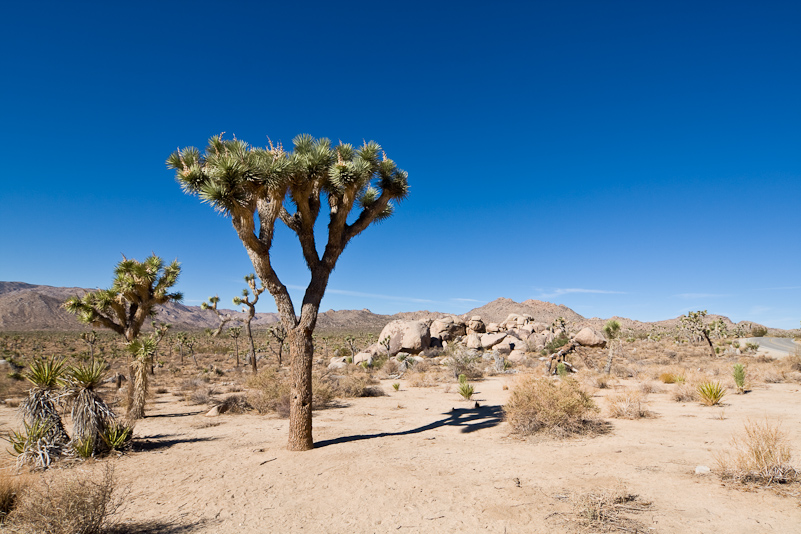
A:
(559, 407)
(631, 404)
(72, 501)
(142, 351)
(90, 414)
(761, 456)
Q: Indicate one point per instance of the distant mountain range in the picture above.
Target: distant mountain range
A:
(28, 307)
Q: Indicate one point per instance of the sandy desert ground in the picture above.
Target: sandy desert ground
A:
(424, 460)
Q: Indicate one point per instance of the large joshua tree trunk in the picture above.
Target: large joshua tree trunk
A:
(301, 352)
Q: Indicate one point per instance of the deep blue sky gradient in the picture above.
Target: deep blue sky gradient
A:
(639, 159)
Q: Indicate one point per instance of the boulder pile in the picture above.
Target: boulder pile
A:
(518, 337)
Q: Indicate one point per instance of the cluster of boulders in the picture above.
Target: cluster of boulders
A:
(512, 339)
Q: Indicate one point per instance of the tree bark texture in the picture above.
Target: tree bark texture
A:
(301, 351)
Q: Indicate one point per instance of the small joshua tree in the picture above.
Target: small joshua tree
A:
(235, 332)
(90, 338)
(142, 350)
(693, 324)
(351, 341)
(612, 332)
(223, 318)
(279, 333)
(246, 301)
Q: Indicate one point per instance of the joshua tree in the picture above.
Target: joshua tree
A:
(693, 324)
(351, 341)
(279, 333)
(235, 332)
(91, 339)
(249, 183)
(612, 332)
(142, 351)
(137, 289)
(182, 342)
(224, 318)
(244, 300)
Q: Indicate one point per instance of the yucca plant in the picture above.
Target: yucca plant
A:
(466, 390)
(38, 445)
(90, 414)
(117, 435)
(40, 405)
(711, 393)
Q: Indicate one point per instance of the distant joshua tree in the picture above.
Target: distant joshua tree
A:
(224, 319)
(137, 289)
(693, 324)
(612, 332)
(245, 300)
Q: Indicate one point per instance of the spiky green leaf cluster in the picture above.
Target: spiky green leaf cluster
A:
(232, 175)
(46, 374)
(87, 376)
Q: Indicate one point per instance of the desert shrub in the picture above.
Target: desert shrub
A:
(711, 393)
(541, 404)
(648, 387)
(671, 378)
(380, 360)
(684, 393)
(608, 510)
(421, 380)
(631, 404)
(559, 341)
(234, 404)
(390, 368)
(464, 362)
(761, 456)
(117, 435)
(356, 385)
(270, 392)
(11, 486)
(72, 501)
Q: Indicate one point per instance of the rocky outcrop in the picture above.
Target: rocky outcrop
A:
(587, 337)
(407, 336)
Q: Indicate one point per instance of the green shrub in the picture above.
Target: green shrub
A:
(759, 331)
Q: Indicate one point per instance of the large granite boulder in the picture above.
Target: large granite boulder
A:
(447, 328)
(587, 337)
(407, 336)
(490, 340)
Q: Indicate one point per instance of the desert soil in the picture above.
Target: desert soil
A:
(423, 460)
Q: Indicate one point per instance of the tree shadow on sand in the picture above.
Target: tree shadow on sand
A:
(469, 419)
(154, 527)
(158, 441)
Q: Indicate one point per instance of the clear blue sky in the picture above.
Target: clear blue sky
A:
(639, 159)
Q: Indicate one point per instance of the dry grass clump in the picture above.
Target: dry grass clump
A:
(648, 388)
(12, 484)
(270, 392)
(355, 385)
(559, 407)
(671, 378)
(608, 510)
(73, 501)
(234, 404)
(761, 456)
(421, 380)
(631, 404)
(684, 393)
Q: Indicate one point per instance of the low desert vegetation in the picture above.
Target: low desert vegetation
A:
(629, 404)
(65, 501)
(559, 407)
(760, 455)
(608, 510)
(711, 393)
